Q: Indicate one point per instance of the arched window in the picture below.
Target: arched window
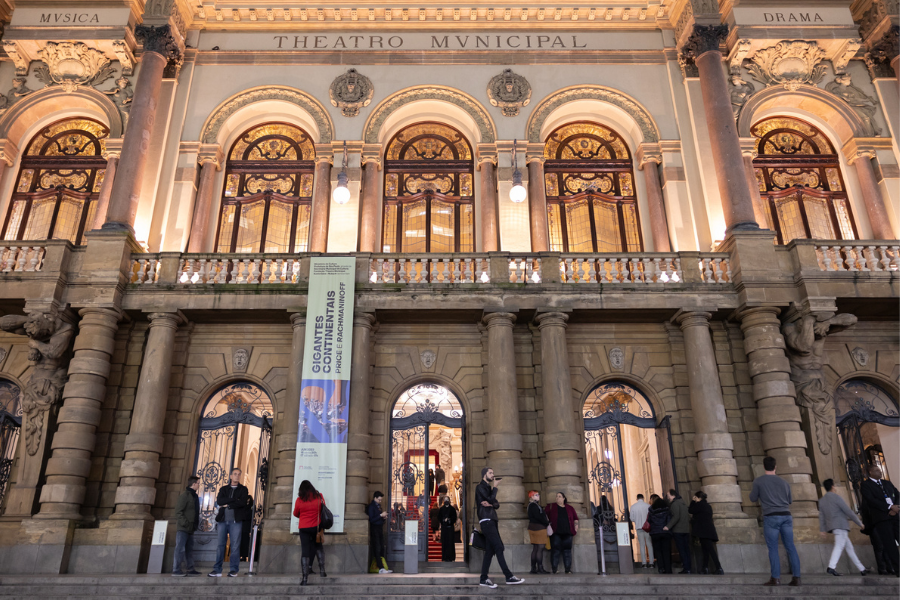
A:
(267, 200)
(59, 182)
(10, 425)
(590, 191)
(799, 178)
(428, 191)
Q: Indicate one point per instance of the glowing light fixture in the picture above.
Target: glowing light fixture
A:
(517, 193)
(341, 193)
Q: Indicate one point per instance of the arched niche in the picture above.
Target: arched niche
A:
(37, 109)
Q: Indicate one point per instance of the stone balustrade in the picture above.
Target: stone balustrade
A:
(644, 268)
(866, 256)
(19, 259)
(429, 268)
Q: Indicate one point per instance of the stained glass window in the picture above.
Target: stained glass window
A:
(268, 187)
(589, 183)
(59, 182)
(799, 177)
(428, 191)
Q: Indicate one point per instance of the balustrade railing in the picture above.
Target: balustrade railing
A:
(618, 269)
(21, 259)
(428, 268)
(838, 256)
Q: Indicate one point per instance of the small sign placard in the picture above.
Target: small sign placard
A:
(622, 536)
(159, 533)
(411, 533)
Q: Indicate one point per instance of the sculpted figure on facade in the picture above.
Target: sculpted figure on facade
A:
(805, 341)
(351, 92)
(509, 92)
(122, 95)
(50, 338)
(19, 90)
(789, 64)
(741, 90)
(72, 65)
(859, 101)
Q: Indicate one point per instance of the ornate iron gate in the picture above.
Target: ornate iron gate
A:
(10, 426)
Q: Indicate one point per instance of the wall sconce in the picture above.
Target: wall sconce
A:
(517, 192)
(341, 193)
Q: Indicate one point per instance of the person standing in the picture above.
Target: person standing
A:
(705, 530)
(246, 530)
(638, 514)
(680, 526)
(774, 496)
(882, 502)
(486, 507)
(447, 516)
(835, 517)
(308, 509)
(377, 517)
(658, 515)
(187, 521)
(233, 507)
(537, 531)
(564, 523)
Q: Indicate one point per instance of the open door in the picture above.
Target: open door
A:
(856, 461)
(666, 455)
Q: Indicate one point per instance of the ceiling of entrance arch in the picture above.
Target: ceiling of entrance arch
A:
(616, 396)
(427, 398)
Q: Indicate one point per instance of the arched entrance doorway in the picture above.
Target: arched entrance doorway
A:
(234, 433)
(627, 453)
(867, 419)
(427, 462)
(10, 425)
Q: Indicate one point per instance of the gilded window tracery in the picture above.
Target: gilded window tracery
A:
(268, 190)
(428, 191)
(59, 182)
(589, 183)
(799, 177)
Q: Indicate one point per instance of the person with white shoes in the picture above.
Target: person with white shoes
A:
(835, 517)
(486, 505)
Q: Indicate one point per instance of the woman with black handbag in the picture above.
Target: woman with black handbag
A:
(309, 509)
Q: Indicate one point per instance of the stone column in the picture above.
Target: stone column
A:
(161, 45)
(284, 491)
(537, 202)
(749, 151)
(321, 204)
(712, 441)
(490, 235)
(75, 438)
(503, 441)
(356, 524)
(777, 411)
(649, 156)
(861, 158)
(112, 154)
(368, 222)
(703, 49)
(144, 443)
(8, 155)
(210, 159)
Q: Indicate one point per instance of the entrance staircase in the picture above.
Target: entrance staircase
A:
(444, 586)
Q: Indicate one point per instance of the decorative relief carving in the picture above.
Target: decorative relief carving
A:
(50, 338)
(122, 95)
(19, 90)
(350, 92)
(637, 112)
(12, 51)
(509, 92)
(705, 38)
(842, 58)
(617, 358)
(160, 40)
(741, 90)
(864, 105)
(789, 64)
(428, 357)
(240, 358)
(860, 355)
(738, 54)
(879, 58)
(3, 353)
(126, 59)
(72, 64)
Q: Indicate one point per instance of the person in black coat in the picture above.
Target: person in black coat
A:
(880, 500)
(705, 530)
(658, 516)
(448, 515)
(537, 532)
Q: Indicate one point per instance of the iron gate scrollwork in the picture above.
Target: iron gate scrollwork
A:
(10, 426)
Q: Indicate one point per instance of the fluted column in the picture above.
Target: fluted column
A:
(861, 159)
(703, 49)
(368, 223)
(649, 156)
(537, 204)
(321, 204)
(210, 160)
(712, 440)
(777, 411)
(357, 494)
(490, 235)
(112, 154)
(144, 443)
(73, 443)
(9, 152)
(283, 492)
(160, 47)
(503, 441)
(749, 152)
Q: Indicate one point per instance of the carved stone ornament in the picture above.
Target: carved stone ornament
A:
(50, 338)
(351, 92)
(3, 352)
(509, 92)
(428, 357)
(71, 65)
(789, 64)
(240, 358)
(864, 105)
(19, 90)
(122, 95)
(160, 40)
(705, 38)
(617, 358)
(741, 90)
(878, 58)
(860, 355)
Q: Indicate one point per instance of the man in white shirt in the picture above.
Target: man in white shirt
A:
(638, 513)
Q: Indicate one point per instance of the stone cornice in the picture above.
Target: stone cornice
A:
(857, 148)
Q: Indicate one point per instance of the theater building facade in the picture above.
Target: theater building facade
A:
(603, 249)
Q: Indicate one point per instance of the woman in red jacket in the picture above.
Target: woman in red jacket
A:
(564, 521)
(308, 508)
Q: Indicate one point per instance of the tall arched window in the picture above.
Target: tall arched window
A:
(428, 191)
(589, 181)
(59, 182)
(267, 200)
(10, 424)
(799, 178)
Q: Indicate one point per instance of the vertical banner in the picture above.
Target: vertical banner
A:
(325, 391)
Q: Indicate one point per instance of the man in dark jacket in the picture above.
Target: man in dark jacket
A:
(234, 505)
(680, 526)
(377, 517)
(486, 508)
(882, 503)
(187, 521)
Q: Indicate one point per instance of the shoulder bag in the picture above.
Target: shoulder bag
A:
(476, 540)
(646, 526)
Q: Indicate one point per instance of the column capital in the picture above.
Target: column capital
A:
(689, 318)
(372, 153)
(882, 54)
(113, 148)
(363, 319)
(9, 152)
(498, 319)
(163, 40)
(749, 147)
(486, 153)
(534, 151)
(323, 160)
(552, 319)
(702, 39)
(211, 153)
(298, 319)
(649, 152)
(857, 148)
(324, 152)
(167, 319)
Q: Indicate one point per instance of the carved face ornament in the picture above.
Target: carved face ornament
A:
(350, 92)
(509, 92)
